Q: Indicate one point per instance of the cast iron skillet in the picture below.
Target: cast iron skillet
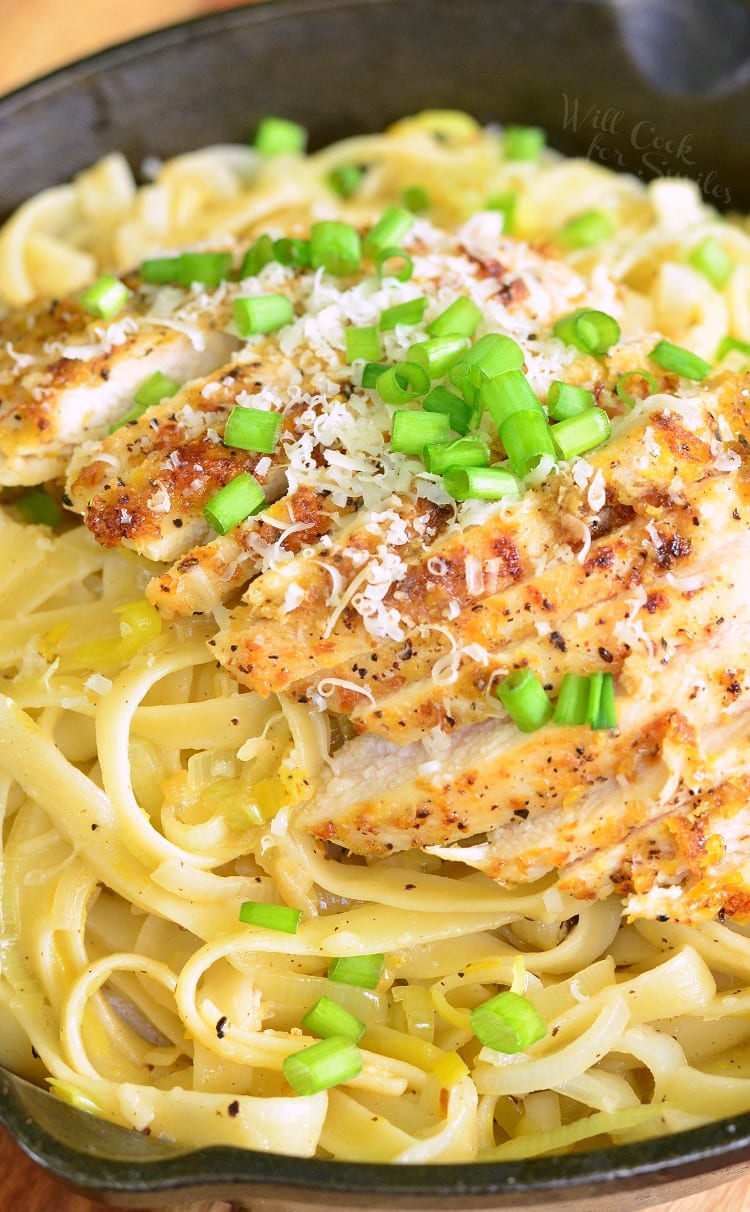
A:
(652, 86)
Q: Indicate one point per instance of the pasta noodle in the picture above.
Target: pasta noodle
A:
(145, 795)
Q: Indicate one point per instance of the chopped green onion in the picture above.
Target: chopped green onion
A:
(462, 416)
(410, 312)
(327, 1018)
(345, 179)
(362, 343)
(460, 319)
(252, 429)
(481, 483)
(272, 917)
(491, 356)
(279, 136)
(525, 699)
(680, 361)
(416, 199)
(507, 1023)
(38, 508)
(105, 297)
(601, 712)
(591, 331)
(371, 372)
(236, 501)
(471, 451)
(389, 230)
(133, 414)
(335, 247)
(257, 256)
(586, 230)
(580, 433)
(205, 267)
(711, 260)
(565, 400)
(322, 1065)
(402, 383)
(364, 971)
(438, 354)
(394, 263)
(506, 203)
(294, 252)
(160, 269)
(729, 345)
(507, 394)
(527, 439)
(572, 699)
(623, 393)
(157, 387)
(261, 314)
(524, 142)
(411, 431)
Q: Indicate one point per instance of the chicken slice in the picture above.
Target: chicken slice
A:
(66, 376)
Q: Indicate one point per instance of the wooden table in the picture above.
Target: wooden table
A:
(45, 34)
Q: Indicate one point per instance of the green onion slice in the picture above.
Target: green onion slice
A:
(580, 433)
(621, 389)
(680, 361)
(711, 260)
(207, 268)
(279, 136)
(394, 263)
(37, 507)
(507, 1023)
(389, 230)
(525, 699)
(410, 312)
(402, 383)
(252, 429)
(481, 483)
(371, 372)
(416, 199)
(335, 247)
(105, 297)
(565, 400)
(161, 270)
(601, 712)
(507, 394)
(272, 917)
(586, 230)
(295, 252)
(261, 314)
(471, 451)
(362, 343)
(591, 331)
(364, 971)
(412, 430)
(527, 439)
(462, 416)
(257, 256)
(460, 319)
(327, 1018)
(236, 501)
(345, 179)
(156, 388)
(489, 357)
(729, 345)
(572, 700)
(322, 1065)
(506, 203)
(524, 142)
(438, 354)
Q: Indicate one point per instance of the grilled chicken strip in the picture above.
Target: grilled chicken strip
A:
(66, 377)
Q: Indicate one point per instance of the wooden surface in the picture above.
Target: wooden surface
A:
(43, 35)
